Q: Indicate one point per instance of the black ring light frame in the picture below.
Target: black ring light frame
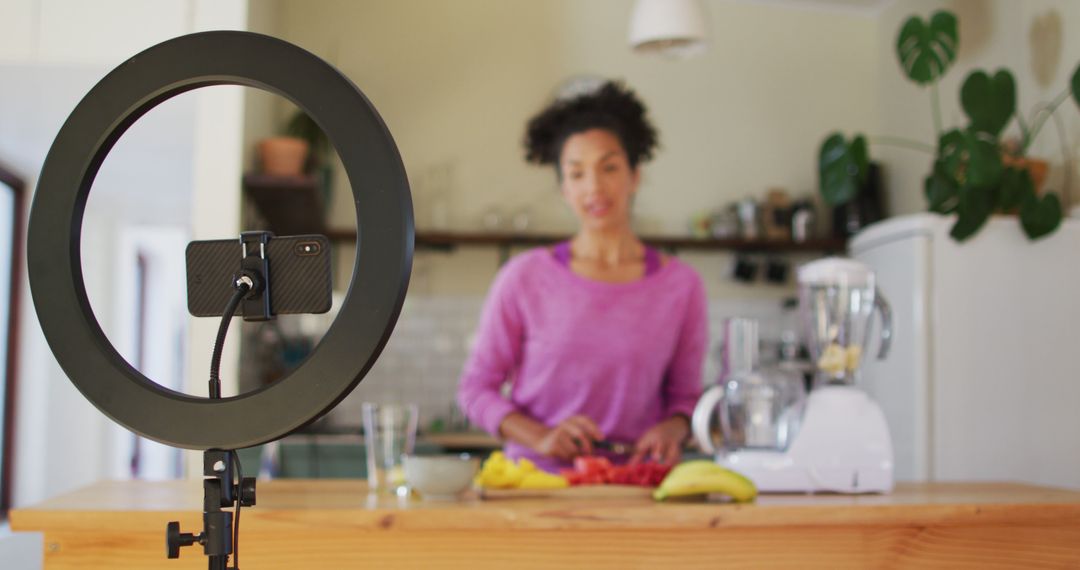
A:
(384, 242)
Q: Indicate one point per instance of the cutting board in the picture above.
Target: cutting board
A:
(577, 493)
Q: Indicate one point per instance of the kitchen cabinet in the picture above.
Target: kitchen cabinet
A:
(334, 524)
(984, 358)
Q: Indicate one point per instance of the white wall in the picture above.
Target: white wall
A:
(260, 115)
(457, 81)
(56, 52)
(993, 34)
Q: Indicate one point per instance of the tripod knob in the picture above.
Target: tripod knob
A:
(174, 539)
(246, 495)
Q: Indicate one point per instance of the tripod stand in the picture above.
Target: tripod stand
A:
(220, 490)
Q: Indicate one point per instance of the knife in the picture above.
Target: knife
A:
(616, 447)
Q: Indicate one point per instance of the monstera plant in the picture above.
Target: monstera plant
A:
(973, 173)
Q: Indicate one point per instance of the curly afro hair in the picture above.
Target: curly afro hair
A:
(612, 107)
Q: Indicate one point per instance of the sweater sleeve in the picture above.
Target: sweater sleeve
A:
(682, 384)
(496, 354)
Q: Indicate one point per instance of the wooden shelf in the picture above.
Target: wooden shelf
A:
(290, 205)
(451, 240)
(294, 205)
(454, 441)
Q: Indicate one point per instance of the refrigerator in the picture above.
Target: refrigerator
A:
(983, 380)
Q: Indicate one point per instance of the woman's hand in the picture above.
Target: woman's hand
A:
(570, 438)
(662, 442)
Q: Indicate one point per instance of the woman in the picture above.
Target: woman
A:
(601, 337)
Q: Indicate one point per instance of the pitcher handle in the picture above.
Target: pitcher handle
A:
(886, 323)
(703, 412)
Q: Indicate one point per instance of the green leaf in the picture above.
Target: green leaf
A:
(301, 125)
(989, 102)
(842, 167)
(1016, 188)
(1040, 217)
(951, 152)
(942, 192)
(860, 156)
(984, 166)
(926, 49)
(1075, 85)
(971, 158)
(974, 208)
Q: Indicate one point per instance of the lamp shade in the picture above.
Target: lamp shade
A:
(670, 27)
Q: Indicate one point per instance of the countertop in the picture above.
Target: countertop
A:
(335, 523)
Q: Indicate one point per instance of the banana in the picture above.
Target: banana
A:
(704, 477)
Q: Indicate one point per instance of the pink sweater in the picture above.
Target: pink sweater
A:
(626, 355)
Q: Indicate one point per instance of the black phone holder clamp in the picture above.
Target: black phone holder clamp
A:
(220, 490)
(255, 273)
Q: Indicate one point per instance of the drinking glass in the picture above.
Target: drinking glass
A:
(389, 435)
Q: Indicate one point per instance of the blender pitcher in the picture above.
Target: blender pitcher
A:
(837, 298)
(759, 408)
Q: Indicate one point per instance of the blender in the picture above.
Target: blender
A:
(835, 439)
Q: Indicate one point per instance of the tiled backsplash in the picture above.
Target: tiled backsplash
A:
(422, 361)
(424, 357)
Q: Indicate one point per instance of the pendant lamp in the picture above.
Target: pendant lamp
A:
(674, 28)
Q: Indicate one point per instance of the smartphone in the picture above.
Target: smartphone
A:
(299, 282)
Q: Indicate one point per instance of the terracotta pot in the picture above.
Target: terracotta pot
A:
(1036, 168)
(283, 156)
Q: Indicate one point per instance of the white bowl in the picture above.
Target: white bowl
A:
(440, 477)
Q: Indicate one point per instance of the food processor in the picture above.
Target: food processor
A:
(835, 439)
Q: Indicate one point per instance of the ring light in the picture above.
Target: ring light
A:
(384, 241)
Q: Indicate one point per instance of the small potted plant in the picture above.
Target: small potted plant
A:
(974, 172)
(283, 155)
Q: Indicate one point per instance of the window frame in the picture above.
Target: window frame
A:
(7, 413)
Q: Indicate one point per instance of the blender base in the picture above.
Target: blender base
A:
(843, 446)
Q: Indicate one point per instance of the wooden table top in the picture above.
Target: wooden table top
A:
(337, 524)
(346, 503)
